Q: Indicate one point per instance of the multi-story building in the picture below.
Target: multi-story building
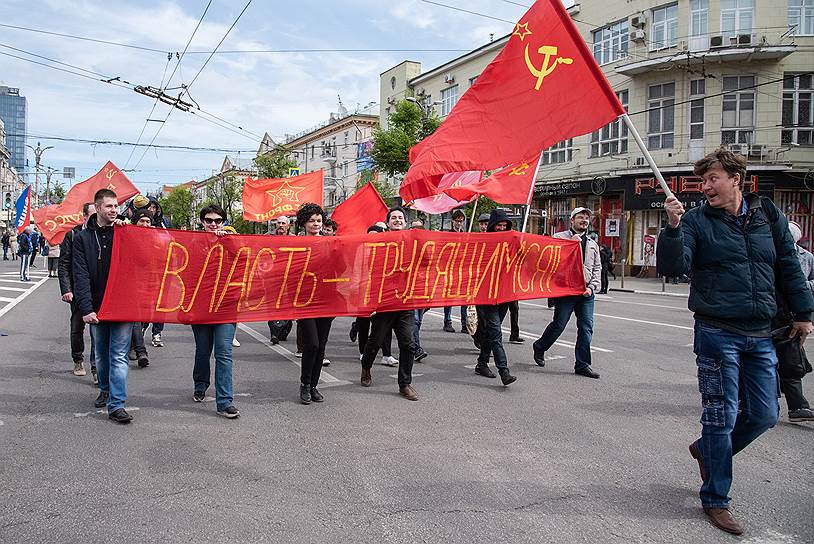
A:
(340, 146)
(8, 181)
(693, 74)
(216, 184)
(14, 113)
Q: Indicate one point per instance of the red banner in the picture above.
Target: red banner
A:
(361, 210)
(442, 202)
(511, 185)
(55, 221)
(266, 199)
(196, 277)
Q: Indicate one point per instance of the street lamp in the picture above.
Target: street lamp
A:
(38, 151)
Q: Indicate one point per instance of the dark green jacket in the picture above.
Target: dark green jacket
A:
(734, 270)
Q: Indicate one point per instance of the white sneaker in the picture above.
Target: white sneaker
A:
(388, 361)
(326, 362)
(298, 354)
(235, 343)
(360, 356)
(157, 341)
(79, 369)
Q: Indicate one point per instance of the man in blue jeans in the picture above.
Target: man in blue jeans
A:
(215, 337)
(92, 251)
(581, 305)
(739, 252)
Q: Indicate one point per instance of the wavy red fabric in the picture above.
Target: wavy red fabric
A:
(442, 202)
(266, 199)
(159, 275)
(362, 209)
(511, 185)
(542, 88)
(55, 221)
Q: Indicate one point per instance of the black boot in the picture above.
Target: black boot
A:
(506, 378)
(316, 396)
(483, 370)
(305, 394)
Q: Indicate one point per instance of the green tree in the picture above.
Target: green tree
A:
(275, 163)
(386, 190)
(177, 206)
(225, 191)
(58, 193)
(408, 125)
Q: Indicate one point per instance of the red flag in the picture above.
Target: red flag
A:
(265, 199)
(510, 185)
(442, 203)
(361, 210)
(56, 220)
(543, 88)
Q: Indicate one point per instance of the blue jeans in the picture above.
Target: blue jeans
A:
(217, 337)
(111, 341)
(448, 316)
(24, 264)
(491, 335)
(737, 378)
(419, 319)
(583, 307)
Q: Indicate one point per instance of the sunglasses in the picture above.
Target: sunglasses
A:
(215, 221)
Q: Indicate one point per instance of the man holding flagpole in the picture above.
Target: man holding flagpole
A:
(740, 253)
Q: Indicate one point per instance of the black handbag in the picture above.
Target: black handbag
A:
(792, 362)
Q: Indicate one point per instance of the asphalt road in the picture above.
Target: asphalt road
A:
(552, 458)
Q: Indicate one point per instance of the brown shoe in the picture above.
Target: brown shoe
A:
(723, 519)
(367, 379)
(696, 454)
(408, 392)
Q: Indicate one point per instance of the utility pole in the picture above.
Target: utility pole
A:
(38, 151)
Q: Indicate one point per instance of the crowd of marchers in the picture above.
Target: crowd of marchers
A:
(751, 295)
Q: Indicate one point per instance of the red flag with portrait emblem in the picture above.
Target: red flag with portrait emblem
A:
(544, 87)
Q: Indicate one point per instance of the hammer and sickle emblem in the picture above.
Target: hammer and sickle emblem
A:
(519, 170)
(548, 51)
(110, 173)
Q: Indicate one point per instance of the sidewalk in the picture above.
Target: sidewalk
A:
(649, 286)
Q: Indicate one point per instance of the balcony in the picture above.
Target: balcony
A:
(709, 49)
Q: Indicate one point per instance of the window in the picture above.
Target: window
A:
(736, 17)
(738, 118)
(664, 29)
(561, 152)
(699, 17)
(798, 119)
(345, 170)
(449, 97)
(801, 17)
(612, 138)
(697, 88)
(661, 117)
(610, 43)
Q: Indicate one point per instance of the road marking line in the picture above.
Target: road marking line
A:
(613, 300)
(6, 299)
(15, 281)
(103, 411)
(16, 289)
(529, 336)
(645, 322)
(6, 309)
(323, 377)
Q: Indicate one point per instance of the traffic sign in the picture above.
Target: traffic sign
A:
(293, 172)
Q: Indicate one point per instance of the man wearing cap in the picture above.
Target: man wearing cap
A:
(581, 305)
(483, 221)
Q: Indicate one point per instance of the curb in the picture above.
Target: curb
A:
(640, 292)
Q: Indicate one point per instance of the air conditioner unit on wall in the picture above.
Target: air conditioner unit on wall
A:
(757, 152)
(744, 39)
(640, 161)
(449, 78)
(637, 35)
(716, 41)
(638, 20)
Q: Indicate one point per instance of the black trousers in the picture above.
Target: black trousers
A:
(78, 337)
(604, 280)
(514, 319)
(313, 334)
(792, 388)
(402, 323)
(363, 331)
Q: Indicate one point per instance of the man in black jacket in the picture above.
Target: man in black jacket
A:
(739, 251)
(92, 251)
(65, 274)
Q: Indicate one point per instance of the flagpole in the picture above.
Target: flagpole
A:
(531, 191)
(647, 155)
(474, 210)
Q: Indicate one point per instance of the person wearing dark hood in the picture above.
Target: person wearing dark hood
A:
(92, 251)
(490, 318)
(158, 214)
(154, 208)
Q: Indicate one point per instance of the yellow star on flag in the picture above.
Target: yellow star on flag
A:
(285, 192)
(521, 30)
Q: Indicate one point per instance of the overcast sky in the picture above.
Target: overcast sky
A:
(277, 93)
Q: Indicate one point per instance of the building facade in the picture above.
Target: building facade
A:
(14, 113)
(340, 146)
(9, 183)
(693, 75)
(218, 184)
